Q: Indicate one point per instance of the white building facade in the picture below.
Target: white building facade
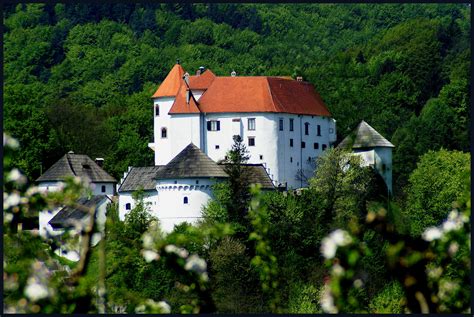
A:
(283, 122)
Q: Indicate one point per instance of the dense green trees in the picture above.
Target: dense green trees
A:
(380, 63)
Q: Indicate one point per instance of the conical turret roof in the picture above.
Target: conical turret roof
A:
(364, 136)
(170, 86)
(189, 163)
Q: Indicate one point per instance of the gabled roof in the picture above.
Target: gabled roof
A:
(191, 162)
(71, 165)
(203, 81)
(140, 177)
(364, 136)
(170, 86)
(68, 215)
(181, 104)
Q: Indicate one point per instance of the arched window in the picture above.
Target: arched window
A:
(128, 206)
(157, 110)
(164, 133)
(185, 200)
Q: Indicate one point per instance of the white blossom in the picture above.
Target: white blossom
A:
(196, 264)
(327, 301)
(10, 142)
(453, 248)
(35, 291)
(358, 283)
(337, 238)
(12, 200)
(147, 241)
(431, 234)
(181, 252)
(150, 255)
(165, 308)
(337, 270)
(16, 176)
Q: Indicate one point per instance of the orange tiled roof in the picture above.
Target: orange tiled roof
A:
(170, 86)
(202, 82)
(243, 94)
(180, 105)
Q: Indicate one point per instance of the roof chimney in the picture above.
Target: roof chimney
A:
(299, 78)
(99, 161)
(177, 61)
(233, 74)
(202, 69)
(198, 72)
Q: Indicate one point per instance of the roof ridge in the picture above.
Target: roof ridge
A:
(272, 97)
(70, 165)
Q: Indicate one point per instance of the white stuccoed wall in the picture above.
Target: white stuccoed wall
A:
(97, 189)
(150, 199)
(184, 129)
(171, 208)
(162, 146)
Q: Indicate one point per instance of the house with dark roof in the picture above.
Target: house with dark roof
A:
(283, 122)
(373, 148)
(76, 217)
(73, 165)
(177, 191)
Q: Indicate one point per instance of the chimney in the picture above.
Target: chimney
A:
(177, 61)
(198, 72)
(99, 161)
(299, 78)
(188, 96)
(202, 69)
(233, 74)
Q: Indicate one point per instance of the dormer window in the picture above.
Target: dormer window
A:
(86, 166)
(164, 133)
(251, 123)
(213, 125)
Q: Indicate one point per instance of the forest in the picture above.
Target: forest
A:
(80, 77)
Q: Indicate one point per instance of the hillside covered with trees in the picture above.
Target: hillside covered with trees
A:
(79, 76)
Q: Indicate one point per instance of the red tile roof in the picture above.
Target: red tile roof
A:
(170, 86)
(246, 94)
(181, 106)
(201, 82)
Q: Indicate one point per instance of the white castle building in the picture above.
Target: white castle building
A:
(283, 122)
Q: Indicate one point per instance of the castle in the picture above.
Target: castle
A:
(283, 122)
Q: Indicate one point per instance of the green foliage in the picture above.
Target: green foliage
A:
(304, 299)
(434, 185)
(389, 301)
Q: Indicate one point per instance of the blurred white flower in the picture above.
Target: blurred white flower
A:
(16, 176)
(181, 252)
(35, 291)
(451, 225)
(150, 255)
(33, 190)
(327, 301)
(328, 248)
(337, 270)
(337, 238)
(358, 283)
(10, 142)
(12, 200)
(431, 234)
(196, 264)
(165, 308)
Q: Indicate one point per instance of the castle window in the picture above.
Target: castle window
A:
(281, 124)
(157, 110)
(316, 146)
(176, 182)
(291, 142)
(309, 159)
(292, 121)
(213, 125)
(128, 206)
(185, 200)
(324, 146)
(303, 145)
(197, 182)
(103, 188)
(217, 147)
(164, 133)
(291, 160)
(261, 157)
(319, 130)
(306, 128)
(251, 141)
(251, 124)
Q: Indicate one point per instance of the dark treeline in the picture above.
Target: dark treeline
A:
(79, 76)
